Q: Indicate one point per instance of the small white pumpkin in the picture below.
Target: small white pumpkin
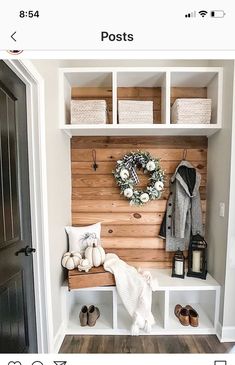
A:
(144, 197)
(95, 254)
(151, 166)
(124, 174)
(128, 192)
(84, 265)
(71, 260)
(159, 185)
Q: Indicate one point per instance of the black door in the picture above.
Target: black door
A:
(17, 304)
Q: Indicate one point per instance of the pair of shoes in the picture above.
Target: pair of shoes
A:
(187, 315)
(89, 316)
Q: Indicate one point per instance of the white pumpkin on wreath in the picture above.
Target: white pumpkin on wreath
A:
(95, 254)
(71, 260)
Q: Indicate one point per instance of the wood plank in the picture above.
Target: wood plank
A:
(157, 119)
(141, 255)
(189, 92)
(84, 219)
(138, 92)
(117, 218)
(95, 277)
(91, 92)
(118, 206)
(108, 181)
(136, 231)
(145, 142)
(93, 193)
(116, 154)
(152, 264)
(110, 243)
(86, 168)
(120, 218)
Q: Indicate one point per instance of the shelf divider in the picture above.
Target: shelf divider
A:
(114, 87)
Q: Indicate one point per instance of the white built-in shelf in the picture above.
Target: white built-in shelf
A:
(202, 295)
(167, 83)
(140, 130)
(162, 280)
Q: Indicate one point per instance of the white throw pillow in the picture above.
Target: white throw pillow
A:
(78, 236)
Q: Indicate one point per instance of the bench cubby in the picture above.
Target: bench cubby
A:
(203, 295)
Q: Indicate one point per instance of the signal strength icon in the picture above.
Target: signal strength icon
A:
(193, 14)
(203, 13)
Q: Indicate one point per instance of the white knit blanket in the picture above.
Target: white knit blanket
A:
(135, 291)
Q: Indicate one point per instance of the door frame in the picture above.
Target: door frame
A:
(35, 97)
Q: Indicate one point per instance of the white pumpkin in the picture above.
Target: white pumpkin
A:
(84, 265)
(95, 254)
(71, 260)
(128, 192)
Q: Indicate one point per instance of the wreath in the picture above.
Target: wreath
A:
(126, 177)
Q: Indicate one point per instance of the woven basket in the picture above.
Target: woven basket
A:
(88, 112)
(191, 111)
(135, 112)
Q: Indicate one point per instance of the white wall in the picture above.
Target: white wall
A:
(229, 293)
(58, 183)
(219, 162)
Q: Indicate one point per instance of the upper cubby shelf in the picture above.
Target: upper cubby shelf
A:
(159, 86)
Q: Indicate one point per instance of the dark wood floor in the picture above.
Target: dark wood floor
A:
(145, 344)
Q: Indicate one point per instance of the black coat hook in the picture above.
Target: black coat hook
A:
(95, 166)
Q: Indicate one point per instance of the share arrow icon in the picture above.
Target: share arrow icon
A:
(60, 362)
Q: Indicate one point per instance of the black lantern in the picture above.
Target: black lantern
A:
(178, 265)
(197, 257)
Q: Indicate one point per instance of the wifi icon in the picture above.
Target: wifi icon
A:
(203, 13)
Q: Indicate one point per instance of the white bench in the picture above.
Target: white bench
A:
(203, 295)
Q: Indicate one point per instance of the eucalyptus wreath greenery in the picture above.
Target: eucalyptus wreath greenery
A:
(126, 177)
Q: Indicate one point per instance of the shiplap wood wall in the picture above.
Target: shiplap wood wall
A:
(131, 232)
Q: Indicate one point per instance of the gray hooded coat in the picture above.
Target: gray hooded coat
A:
(183, 215)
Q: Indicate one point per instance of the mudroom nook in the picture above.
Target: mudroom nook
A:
(131, 231)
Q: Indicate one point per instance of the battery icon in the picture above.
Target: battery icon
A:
(217, 14)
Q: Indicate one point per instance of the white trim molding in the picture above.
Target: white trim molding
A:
(226, 333)
(38, 199)
(59, 337)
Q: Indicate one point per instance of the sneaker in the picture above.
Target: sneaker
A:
(83, 316)
(93, 315)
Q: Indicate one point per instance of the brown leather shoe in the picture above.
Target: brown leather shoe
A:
(182, 314)
(93, 315)
(83, 316)
(193, 316)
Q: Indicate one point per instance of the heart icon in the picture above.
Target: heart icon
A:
(14, 363)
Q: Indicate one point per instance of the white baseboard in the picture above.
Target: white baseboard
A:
(59, 337)
(226, 333)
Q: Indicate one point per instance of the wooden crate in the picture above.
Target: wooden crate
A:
(97, 276)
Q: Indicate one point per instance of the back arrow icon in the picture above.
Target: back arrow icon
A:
(12, 36)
